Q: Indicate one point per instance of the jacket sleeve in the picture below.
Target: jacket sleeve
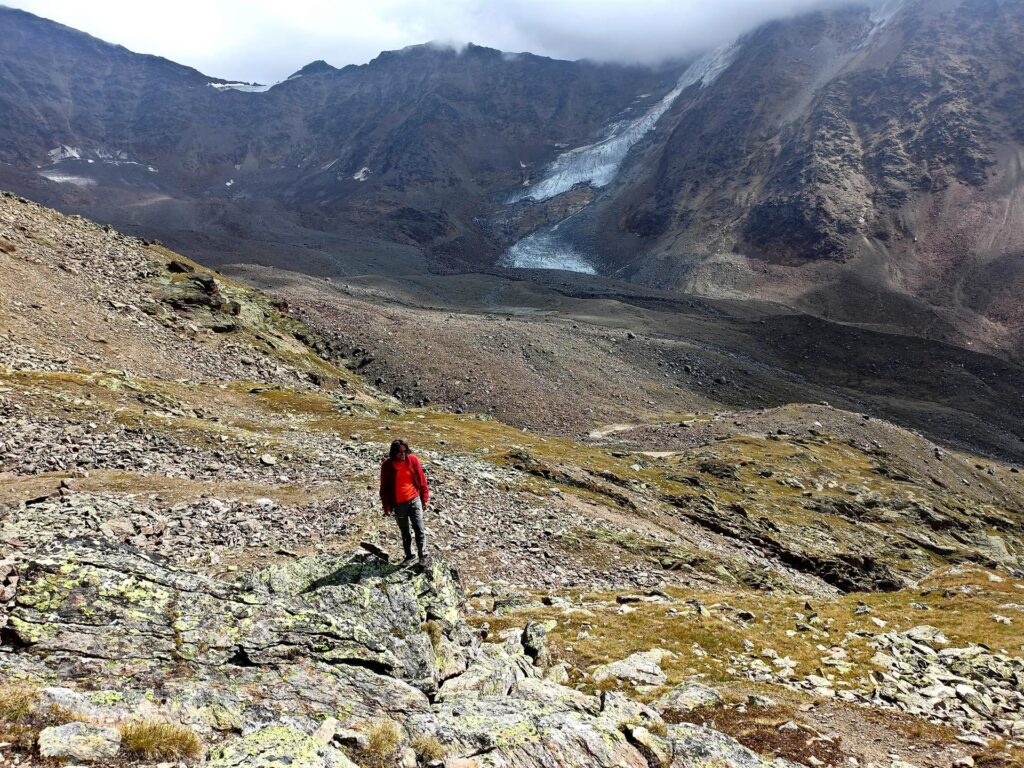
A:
(421, 482)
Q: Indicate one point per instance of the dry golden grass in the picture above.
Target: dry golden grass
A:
(428, 748)
(17, 701)
(21, 717)
(383, 738)
(157, 740)
(999, 755)
(16, 705)
(706, 644)
(434, 632)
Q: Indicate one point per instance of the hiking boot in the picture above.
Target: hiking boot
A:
(408, 559)
(424, 561)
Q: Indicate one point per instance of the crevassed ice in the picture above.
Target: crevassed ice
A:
(64, 152)
(599, 163)
(544, 250)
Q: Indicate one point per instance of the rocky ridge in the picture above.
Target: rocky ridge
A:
(291, 665)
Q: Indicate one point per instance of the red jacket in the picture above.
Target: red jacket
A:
(387, 481)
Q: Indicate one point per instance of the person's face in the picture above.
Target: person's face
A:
(401, 453)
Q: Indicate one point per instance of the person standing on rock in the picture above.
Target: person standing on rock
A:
(404, 492)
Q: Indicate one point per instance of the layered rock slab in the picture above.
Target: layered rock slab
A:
(258, 665)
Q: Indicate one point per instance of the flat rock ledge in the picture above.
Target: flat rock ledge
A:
(298, 664)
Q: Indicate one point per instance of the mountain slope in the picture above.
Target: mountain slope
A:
(861, 164)
(398, 156)
(864, 166)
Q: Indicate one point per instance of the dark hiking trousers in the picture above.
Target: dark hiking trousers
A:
(411, 512)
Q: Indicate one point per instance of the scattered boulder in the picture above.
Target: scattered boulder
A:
(688, 696)
(639, 669)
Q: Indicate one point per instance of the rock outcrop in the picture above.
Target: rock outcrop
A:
(296, 664)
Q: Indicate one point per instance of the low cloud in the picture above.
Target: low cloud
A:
(266, 40)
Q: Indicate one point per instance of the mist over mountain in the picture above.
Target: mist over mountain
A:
(265, 40)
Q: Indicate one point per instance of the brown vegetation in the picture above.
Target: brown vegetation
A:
(154, 740)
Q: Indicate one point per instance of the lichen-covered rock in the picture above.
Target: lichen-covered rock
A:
(688, 696)
(641, 669)
(278, 746)
(528, 734)
(336, 609)
(282, 665)
(535, 641)
(695, 746)
(494, 671)
(79, 741)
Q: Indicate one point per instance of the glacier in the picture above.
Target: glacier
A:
(598, 164)
(544, 250)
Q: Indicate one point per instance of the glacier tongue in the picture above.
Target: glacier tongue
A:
(544, 250)
(599, 163)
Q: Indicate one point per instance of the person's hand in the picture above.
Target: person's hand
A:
(386, 512)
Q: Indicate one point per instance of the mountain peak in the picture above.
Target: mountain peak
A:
(318, 67)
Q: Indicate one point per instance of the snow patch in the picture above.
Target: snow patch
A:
(229, 183)
(115, 156)
(598, 164)
(544, 250)
(67, 178)
(362, 174)
(64, 152)
(244, 87)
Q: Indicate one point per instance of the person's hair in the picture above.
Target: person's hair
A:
(397, 445)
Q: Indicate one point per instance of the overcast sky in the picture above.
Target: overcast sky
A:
(266, 40)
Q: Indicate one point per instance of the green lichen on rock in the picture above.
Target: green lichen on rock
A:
(265, 660)
(278, 745)
(79, 741)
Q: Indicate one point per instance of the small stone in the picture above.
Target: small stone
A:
(328, 728)
(80, 741)
(268, 459)
(408, 758)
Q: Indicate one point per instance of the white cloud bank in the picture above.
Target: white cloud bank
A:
(266, 40)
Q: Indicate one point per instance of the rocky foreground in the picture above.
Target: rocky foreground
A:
(307, 664)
